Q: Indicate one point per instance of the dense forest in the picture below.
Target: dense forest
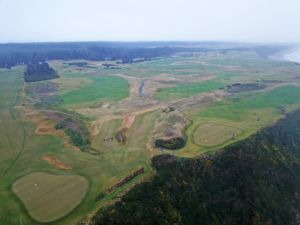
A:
(37, 71)
(255, 181)
(12, 54)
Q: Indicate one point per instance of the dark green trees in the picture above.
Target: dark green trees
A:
(253, 182)
(38, 71)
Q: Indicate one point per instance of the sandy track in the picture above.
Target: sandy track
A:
(55, 162)
(129, 119)
(96, 125)
(134, 84)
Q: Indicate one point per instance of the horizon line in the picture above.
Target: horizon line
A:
(150, 41)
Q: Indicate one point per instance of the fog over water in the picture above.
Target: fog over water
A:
(144, 20)
(293, 56)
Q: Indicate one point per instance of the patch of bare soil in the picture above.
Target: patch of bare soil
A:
(129, 119)
(43, 125)
(55, 162)
(44, 128)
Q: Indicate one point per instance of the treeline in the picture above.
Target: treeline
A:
(252, 182)
(122, 182)
(14, 54)
(37, 71)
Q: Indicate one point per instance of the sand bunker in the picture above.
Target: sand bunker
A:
(55, 162)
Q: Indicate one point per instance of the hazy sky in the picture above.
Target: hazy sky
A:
(134, 20)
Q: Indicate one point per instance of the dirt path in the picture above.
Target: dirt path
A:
(96, 125)
(134, 84)
(141, 89)
(129, 119)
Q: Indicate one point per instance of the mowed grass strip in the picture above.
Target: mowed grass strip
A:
(108, 88)
(141, 129)
(186, 90)
(11, 135)
(49, 197)
(108, 130)
(213, 134)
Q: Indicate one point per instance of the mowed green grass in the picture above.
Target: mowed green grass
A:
(119, 159)
(12, 134)
(15, 140)
(138, 134)
(141, 130)
(108, 130)
(248, 112)
(104, 88)
(186, 90)
(236, 110)
(214, 134)
(49, 197)
(135, 149)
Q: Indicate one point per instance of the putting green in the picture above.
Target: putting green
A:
(214, 134)
(49, 197)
